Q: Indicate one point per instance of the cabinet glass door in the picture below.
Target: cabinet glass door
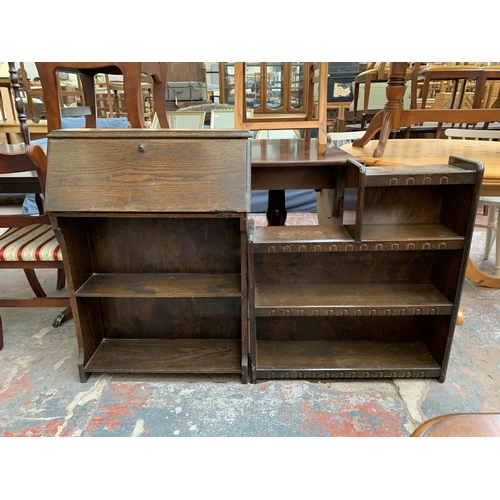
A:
(297, 86)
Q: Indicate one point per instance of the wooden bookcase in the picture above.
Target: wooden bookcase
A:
(153, 229)
(376, 296)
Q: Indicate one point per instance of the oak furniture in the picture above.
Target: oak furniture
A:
(29, 242)
(376, 296)
(132, 87)
(460, 425)
(435, 151)
(152, 226)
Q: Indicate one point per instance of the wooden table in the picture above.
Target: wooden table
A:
(461, 425)
(438, 151)
(280, 164)
(393, 116)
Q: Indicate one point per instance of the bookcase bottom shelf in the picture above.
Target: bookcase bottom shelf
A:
(344, 360)
(166, 356)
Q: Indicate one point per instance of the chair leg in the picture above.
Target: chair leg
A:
(34, 283)
(61, 279)
(497, 255)
(62, 317)
(490, 232)
(1, 334)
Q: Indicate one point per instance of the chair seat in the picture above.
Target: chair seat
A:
(30, 244)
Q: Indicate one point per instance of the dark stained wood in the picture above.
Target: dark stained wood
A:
(460, 425)
(345, 360)
(148, 173)
(159, 283)
(375, 297)
(167, 356)
(351, 328)
(202, 318)
(353, 299)
(280, 164)
(344, 267)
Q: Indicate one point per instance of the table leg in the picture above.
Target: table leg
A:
(276, 208)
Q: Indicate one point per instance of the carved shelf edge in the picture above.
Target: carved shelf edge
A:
(352, 311)
(346, 374)
(360, 246)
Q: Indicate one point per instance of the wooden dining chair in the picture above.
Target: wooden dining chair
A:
(132, 88)
(28, 241)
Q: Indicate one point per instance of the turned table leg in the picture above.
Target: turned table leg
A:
(276, 209)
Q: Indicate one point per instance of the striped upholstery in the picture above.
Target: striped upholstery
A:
(31, 243)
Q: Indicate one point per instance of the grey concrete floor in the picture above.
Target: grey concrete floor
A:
(41, 395)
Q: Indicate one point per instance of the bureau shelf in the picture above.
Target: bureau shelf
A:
(161, 285)
(166, 356)
(153, 229)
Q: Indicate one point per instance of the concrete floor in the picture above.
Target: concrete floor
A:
(41, 395)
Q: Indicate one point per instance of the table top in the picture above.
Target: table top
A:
(12, 127)
(293, 152)
(461, 425)
(436, 151)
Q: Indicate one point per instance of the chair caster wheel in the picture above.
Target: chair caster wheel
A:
(59, 320)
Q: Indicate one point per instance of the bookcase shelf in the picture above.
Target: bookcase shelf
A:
(377, 295)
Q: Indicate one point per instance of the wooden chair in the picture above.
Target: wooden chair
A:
(458, 75)
(186, 119)
(222, 119)
(29, 242)
(132, 87)
(491, 203)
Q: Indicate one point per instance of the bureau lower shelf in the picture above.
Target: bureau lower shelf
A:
(161, 285)
(341, 360)
(166, 356)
